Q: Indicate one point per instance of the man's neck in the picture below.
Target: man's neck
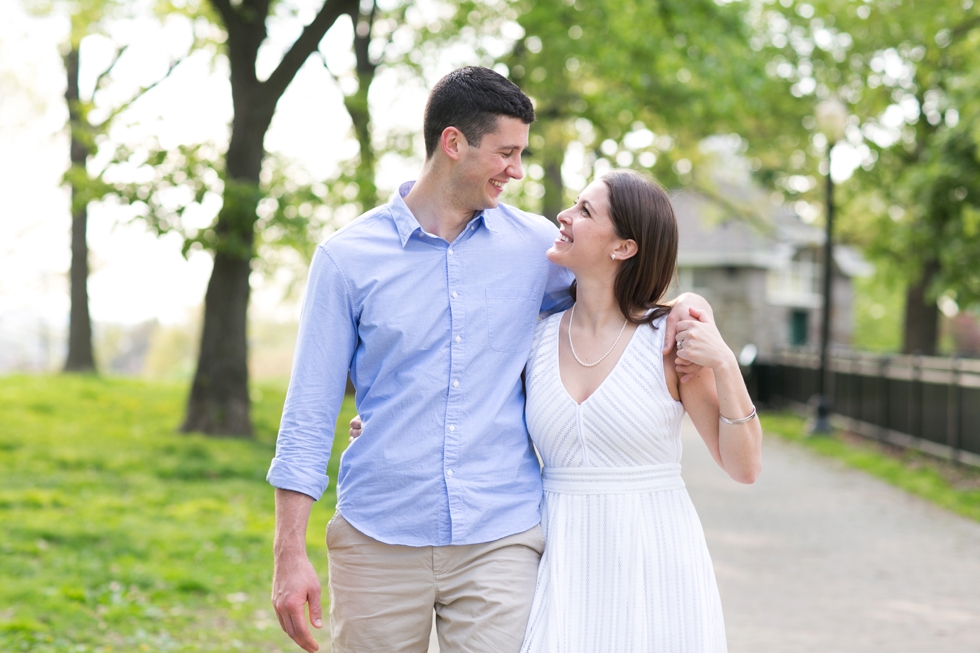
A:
(436, 206)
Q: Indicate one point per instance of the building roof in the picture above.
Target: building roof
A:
(739, 227)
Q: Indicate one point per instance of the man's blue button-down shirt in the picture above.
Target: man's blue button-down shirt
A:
(435, 336)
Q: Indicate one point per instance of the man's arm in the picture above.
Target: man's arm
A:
(324, 348)
(680, 311)
(294, 581)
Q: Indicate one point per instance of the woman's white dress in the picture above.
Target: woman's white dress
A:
(625, 567)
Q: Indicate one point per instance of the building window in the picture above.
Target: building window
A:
(799, 323)
(795, 284)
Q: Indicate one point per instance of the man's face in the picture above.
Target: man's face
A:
(484, 171)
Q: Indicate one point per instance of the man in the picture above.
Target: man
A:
(430, 303)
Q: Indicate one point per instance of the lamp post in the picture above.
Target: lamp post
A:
(831, 117)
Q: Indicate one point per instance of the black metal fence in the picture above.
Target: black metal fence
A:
(927, 403)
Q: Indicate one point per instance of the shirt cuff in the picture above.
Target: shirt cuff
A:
(289, 476)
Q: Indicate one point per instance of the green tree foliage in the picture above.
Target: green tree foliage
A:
(86, 18)
(908, 71)
(265, 205)
(642, 84)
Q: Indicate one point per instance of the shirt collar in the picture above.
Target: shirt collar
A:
(408, 225)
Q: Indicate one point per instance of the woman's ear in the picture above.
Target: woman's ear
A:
(626, 249)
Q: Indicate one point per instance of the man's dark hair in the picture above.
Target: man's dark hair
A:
(470, 99)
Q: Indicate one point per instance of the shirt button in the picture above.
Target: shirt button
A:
(452, 427)
(449, 472)
(454, 294)
(455, 383)
(450, 251)
(457, 338)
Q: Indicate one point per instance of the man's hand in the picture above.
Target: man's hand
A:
(294, 581)
(682, 311)
(294, 584)
(355, 428)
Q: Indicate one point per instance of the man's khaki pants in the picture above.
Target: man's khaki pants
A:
(382, 595)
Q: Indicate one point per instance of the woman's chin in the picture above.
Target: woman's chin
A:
(554, 255)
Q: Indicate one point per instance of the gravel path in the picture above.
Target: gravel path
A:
(817, 557)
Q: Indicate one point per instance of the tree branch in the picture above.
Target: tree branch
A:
(326, 66)
(305, 45)
(140, 93)
(105, 73)
(227, 12)
(963, 28)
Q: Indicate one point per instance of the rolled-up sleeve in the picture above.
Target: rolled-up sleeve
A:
(324, 349)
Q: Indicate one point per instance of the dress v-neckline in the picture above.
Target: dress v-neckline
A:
(601, 383)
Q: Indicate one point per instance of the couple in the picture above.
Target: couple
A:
(431, 303)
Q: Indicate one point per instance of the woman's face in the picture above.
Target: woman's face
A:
(588, 237)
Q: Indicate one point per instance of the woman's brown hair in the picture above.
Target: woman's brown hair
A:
(640, 210)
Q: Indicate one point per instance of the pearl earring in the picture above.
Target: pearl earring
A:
(612, 256)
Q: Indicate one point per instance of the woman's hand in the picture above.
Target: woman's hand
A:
(699, 342)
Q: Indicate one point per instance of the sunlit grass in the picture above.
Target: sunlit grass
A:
(952, 487)
(119, 534)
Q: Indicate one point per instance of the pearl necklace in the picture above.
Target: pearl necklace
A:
(571, 318)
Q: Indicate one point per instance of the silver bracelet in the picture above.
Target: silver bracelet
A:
(741, 420)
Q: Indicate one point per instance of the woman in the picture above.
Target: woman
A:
(626, 567)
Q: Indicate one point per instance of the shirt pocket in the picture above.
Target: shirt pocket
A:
(511, 315)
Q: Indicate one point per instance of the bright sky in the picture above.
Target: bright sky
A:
(136, 276)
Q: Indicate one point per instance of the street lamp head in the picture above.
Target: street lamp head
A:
(831, 115)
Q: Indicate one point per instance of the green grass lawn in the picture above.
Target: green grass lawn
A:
(954, 487)
(119, 534)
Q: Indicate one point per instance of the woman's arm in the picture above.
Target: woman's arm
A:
(719, 390)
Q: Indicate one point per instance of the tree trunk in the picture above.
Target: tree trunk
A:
(80, 358)
(554, 190)
(921, 315)
(360, 115)
(219, 400)
(358, 107)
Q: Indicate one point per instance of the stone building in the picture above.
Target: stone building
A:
(760, 267)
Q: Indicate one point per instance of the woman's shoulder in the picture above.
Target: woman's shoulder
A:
(543, 331)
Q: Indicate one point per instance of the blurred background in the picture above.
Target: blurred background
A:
(168, 167)
(718, 100)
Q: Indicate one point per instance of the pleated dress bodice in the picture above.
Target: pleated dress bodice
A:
(630, 420)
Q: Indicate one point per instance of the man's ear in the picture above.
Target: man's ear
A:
(452, 142)
(626, 249)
